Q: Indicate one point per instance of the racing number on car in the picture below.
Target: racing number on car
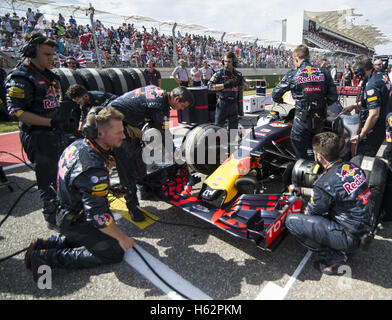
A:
(275, 228)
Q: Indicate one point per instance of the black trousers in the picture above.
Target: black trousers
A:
(226, 110)
(321, 235)
(80, 246)
(131, 168)
(43, 149)
(301, 137)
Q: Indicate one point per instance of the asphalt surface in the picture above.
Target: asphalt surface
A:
(221, 266)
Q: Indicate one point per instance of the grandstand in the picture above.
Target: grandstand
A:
(335, 31)
(132, 40)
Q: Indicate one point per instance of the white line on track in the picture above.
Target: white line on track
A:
(175, 280)
(171, 277)
(272, 291)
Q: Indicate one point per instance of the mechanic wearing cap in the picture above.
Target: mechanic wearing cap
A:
(375, 92)
(227, 82)
(149, 103)
(87, 99)
(337, 214)
(33, 97)
(313, 90)
(89, 236)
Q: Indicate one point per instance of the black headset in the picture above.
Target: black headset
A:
(360, 73)
(29, 50)
(90, 130)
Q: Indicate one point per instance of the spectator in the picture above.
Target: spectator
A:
(180, 74)
(347, 75)
(7, 23)
(30, 17)
(72, 21)
(196, 75)
(153, 75)
(206, 72)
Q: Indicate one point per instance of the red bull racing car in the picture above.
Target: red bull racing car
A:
(247, 194)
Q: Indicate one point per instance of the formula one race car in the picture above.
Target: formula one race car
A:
(247, 193)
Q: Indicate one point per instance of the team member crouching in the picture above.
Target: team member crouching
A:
(337, 214)
(84, 217)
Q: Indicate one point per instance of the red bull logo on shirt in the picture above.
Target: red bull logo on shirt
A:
(359, 180)
(311, 76)
(347, 171)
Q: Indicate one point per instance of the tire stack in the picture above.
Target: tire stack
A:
(113, 80)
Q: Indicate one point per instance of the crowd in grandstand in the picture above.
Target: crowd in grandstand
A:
(335, 44)
(128, 46)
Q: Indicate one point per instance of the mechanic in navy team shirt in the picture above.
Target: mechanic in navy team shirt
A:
(337, 214)
(375, 92)
(313, 90)
(227, 83)
(89, 235)
(152, 103)
(87, 99)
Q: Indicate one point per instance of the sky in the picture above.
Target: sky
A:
(260, 18)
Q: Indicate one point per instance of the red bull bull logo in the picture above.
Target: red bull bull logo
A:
(310, 70)
(347, 171)
(312, 75)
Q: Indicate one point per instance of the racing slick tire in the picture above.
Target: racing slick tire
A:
(94, 81)
(203, 149)
(118, 80)
(376, 171)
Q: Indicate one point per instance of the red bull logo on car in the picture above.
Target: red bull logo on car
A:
(311, 75)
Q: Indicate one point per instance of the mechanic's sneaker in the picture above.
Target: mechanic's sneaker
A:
(136, 215)
(31, 248)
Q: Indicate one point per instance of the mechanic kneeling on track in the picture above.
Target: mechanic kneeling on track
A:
(337, 214)
(84, 217)
(87, 99)
(313, 90)
(151, 103)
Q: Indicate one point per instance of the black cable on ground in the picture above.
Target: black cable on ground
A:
(13, 255)
(16, 202)
(21, 160)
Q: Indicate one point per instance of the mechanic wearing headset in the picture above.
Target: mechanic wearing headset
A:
(151, 103)
(227, 82)
(375, 92)
(337, 214)
(313, 90)
(87, 99)
(33, 97)
(89, 236)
